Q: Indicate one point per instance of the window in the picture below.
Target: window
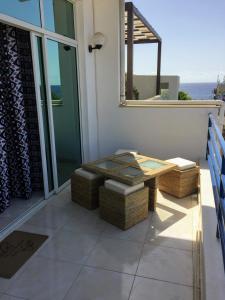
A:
(28, 11)
(171, 51)
(59, 17)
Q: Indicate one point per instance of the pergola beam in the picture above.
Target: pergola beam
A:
(145, 22)
(158, 80)
(130, 49)
(144, 41)
(139, 31)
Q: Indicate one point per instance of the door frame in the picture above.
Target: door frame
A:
(44, 34)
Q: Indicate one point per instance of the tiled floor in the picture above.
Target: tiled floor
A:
(86, 258)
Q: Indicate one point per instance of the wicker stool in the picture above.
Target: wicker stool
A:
(122, 205)
(182, 181)
(85, 188)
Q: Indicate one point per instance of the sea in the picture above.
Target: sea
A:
(199, 91)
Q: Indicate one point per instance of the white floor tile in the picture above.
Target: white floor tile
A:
(180, 205)
(90, 224)
(61, 199)
(116, 255)
(169, 264)
(69, 246)
(176, 233)
(45, 279)
(96, 284)
(137, 233)
(49, 217)
(147, 289)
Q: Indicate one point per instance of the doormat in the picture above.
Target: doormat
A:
(16, 249)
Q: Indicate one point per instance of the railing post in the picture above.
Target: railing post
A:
(209, 126)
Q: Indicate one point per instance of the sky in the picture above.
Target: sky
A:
(193, 39)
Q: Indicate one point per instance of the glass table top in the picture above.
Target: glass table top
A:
(131, 172)
(151, 164)
(107, 165)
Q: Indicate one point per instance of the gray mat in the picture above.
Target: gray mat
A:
(16, 249)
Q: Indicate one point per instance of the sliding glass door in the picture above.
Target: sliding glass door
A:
(52, 27)
(62, 78)
(57, 84)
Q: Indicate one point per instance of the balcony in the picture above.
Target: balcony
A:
(175, 253)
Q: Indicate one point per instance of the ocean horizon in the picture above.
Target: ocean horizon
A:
(199, 90)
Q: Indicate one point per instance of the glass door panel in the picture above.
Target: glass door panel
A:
(63, 81)
(28, 11)
(59, 17)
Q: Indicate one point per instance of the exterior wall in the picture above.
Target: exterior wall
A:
(88, 105)
(160, 132)
(146, 85)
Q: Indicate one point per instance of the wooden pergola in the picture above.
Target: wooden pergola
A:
(139, 31)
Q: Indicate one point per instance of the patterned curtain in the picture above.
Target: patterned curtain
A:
(20, 159)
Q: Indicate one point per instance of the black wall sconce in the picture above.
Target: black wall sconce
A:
(97, 42)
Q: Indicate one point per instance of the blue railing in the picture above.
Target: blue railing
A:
(216, 162)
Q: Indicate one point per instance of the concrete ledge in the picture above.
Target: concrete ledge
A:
(172, 103)
(213, 281)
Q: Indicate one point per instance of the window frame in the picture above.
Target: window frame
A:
(41, 30)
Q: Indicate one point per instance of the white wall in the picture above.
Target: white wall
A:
(88, 105)
(160, 132)
(146, 85)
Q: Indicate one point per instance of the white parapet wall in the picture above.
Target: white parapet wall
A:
(213, 279)
(146, 86)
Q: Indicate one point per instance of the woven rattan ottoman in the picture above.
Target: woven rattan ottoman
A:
(85, 188)
(182, 181)
(123, 211)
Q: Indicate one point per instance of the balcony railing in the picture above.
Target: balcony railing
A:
(216, 161)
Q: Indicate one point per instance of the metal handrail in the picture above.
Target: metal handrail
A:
(216, 161)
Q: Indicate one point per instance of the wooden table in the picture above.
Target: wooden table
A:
(132, 169)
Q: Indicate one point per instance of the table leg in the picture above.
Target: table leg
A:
(152, 185)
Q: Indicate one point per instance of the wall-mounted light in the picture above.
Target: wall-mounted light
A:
(67, 48)
(97, 42)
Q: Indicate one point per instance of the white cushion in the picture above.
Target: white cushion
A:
(86, 174)
(182, 164)
(122, 188)
(121, 151)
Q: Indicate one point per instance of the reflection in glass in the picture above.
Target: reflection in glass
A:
(62, 67)
(28, 11)
(108, 164)
(41, 83)
(150, 164)
(59, 17)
